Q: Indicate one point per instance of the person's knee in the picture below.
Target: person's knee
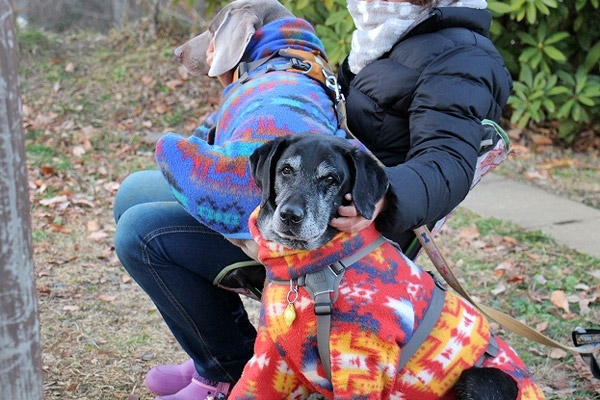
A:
(128, 238)
(140, 187)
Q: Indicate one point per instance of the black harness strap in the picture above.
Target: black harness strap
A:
(427, 323)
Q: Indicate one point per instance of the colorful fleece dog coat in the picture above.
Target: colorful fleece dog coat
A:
(382, 300)
(213, 180)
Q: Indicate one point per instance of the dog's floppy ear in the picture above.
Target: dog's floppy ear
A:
(369, 182)
(263, 162)
(231, 38)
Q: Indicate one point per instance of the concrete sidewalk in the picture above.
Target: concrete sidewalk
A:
(568, 222)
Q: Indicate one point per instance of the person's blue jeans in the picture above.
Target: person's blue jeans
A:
(174, 258)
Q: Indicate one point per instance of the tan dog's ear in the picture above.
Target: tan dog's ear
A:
(231, 38)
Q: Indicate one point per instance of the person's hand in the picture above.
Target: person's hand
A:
(351, 221)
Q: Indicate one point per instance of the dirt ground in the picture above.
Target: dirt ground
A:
(93, 106)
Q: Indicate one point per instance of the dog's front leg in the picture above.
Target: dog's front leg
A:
(267, 376)
(362, 365)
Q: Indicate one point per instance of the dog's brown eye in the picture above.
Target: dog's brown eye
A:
(286, 171)
(330, 180)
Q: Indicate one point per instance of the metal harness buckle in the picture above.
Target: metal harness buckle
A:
(301, 65)
(322, 283)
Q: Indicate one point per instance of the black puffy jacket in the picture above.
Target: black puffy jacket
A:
(419, 109)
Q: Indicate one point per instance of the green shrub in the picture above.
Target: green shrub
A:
(551, 47)
(553, 50)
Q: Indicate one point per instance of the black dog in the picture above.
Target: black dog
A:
(375, 346)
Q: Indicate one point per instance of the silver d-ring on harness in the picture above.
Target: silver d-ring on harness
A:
(292, 294)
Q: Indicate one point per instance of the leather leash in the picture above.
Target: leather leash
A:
(438, 260)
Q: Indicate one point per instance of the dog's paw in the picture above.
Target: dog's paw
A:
(486, 384)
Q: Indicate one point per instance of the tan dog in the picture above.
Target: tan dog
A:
(281, 103)
(229, 33)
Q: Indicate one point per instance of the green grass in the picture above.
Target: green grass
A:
(40, 155)
(33, 40)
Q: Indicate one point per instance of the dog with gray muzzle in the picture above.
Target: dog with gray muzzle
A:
(393, 331)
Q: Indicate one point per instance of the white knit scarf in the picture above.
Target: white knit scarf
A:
(380, 23)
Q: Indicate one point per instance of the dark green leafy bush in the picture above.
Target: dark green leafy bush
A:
(553, 50)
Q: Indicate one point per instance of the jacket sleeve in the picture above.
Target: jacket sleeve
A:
(450, 99)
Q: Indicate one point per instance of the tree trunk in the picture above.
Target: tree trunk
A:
(120, 12)
(20, 361)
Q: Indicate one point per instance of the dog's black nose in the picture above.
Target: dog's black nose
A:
(291, 214)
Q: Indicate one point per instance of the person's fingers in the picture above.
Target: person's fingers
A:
(342, 223)
(347, 211)
(350, 224)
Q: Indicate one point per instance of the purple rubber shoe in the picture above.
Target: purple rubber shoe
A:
(200, 389)
(170, 379)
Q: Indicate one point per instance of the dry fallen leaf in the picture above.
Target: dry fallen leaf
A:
(542, 326)
(533, 175)
(559, 299)
(498, 289)
(595, 273)
(557, 354)
(147, 80)
(43, 289)
(83, 202)
(59, 228)
(78, 151)
(111, 186)
(161, 109)
(510, 240)
(469, 233)
(506, 265)
(93, 226)
(107, 298)
(560, 163)
(174, 83)
(582, 286)
(516, 279)
(97, 236)
(540, 140)
(54, 200)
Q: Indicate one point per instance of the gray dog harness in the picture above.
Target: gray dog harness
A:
(323, 287)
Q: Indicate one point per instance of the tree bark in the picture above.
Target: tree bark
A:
(20, 354)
